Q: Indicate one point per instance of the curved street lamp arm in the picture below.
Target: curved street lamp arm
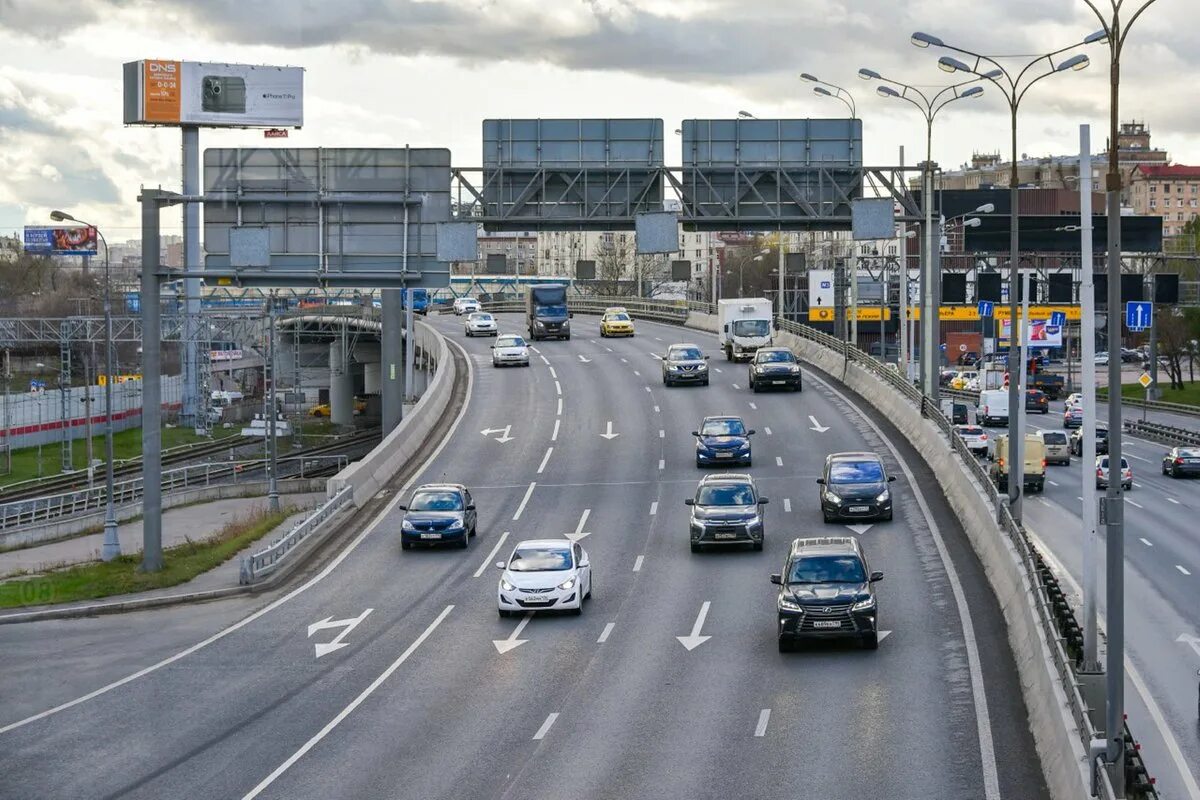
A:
(1048, 58)
(849, 103)
(907, 88)
(934, 111)
(954, 88)
(924, 109)
(981, 58)
(1031, 84)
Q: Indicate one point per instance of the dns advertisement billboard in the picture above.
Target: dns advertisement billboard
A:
(159, 92)
(75, 241)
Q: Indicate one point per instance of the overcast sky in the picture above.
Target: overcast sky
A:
(385, 73)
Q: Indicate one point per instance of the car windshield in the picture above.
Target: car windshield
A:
(725, 495)
(1054, 437)
(1104, 463)
(685, 354)
(1184, 453)
(827, 569)
(540, 559)
(436, 501)
(855, 472)
(481, 317)
(773, 356)
(510, 341)
(1101, 433)
(751, 327)
(618, 318)
(468, 301)
(723, 427)
(552, 311)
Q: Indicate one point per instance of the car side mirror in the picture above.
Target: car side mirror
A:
(776, 579)
(891, 478)
(776, 325)
(695, 433)
(726, 328)
(706, 358)
(821, 481)
(762, 501)
(876, 576)
(471, 507)
(750, 432)
(689, 501)
(571, 315)
(500, 565)
(493, 347)
(584, 562)
(402, 508)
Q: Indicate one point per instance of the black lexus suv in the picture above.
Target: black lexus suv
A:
(827, 591)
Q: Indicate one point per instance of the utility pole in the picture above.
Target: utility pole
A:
(1087, 369)
(272, 430)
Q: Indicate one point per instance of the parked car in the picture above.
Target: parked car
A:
(1181, 462)
(969, 358)
(1100, 359)
(1058, 448)
(1130, 356)
(1102, 477)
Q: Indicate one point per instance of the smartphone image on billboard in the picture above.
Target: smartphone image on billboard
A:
(223, 94)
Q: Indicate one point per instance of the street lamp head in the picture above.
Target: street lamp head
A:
(869, 74)
(678, 132)
(1076, 63)
(951, 64)
(886, 91)
(746, 115)
(821, 90)
(907, 235)
(925, 40)
(993, 74)
(973, 222)
(806, 76)
(61, 216)
(1098, 36)
(974, 91)
(986, 208)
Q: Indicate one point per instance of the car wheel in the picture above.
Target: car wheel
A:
(466, 541)
(870, 641)
(785, 644)
(758, 546)
(695, 547)
(578, 609)
(754, 388)
(827, 519)
(504, 613)
(591, 585)
(474, 529)
(888, 518)
(406, 545)
(705, 382)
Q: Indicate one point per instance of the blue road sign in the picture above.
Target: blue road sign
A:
(1058, 318)
(1138, 315)
(986, 308)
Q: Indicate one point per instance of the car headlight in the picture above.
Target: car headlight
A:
(794, 369)
(537, 323)
(569, 583)
(754, 521)
(506, 586)
(882, 496)
(864, 605)
(702, 368)
(788, 603)
(456, 524)
(833, 498)
(744, 447)
(407, 525)
(674, 368)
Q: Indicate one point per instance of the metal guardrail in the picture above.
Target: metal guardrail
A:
(1155, 405)
(1163, 433)
(660, 311)
(266, 561)
(35, 510)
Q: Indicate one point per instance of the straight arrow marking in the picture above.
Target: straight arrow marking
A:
(816, 426)
(580, 533)
(608, 432)
(584, 359)
(512, 642)
(860, 529)
(1191, 641)
(694, 639)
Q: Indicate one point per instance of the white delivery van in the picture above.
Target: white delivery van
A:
(743, 326)
(993, 407)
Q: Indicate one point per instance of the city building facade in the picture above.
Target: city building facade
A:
(1168, 191)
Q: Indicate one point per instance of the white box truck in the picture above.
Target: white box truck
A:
(993, 407)
(743, 326)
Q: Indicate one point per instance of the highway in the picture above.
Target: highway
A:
(432, 695)
(1162, 584)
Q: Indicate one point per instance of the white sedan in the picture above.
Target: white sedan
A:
(510, 349)
(544, 575)
(480, 324)
(465, 305)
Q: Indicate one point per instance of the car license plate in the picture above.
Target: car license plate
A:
(536, 599)
(859, 509)
(431, 536)
(724, 535)
(724, 455)
(827, 623)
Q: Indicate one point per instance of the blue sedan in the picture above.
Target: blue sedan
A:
(723, 440)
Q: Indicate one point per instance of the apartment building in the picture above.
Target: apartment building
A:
(1168, 191)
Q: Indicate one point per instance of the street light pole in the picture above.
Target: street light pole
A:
(1013, 90)
(111, 547)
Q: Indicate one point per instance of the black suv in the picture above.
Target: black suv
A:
(855, 486)
(826, 591)
(684, 363)
(727, 509)
(1101, 441)
(775, 368)
(438, 513)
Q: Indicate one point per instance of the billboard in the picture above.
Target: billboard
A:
(1041, 333)
(161, 92)
(75, 241)
(820, 288)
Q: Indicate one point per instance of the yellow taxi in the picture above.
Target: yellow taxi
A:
(962, 380)
(616, 324)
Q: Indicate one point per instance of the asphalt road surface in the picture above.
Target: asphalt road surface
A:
(421, 702)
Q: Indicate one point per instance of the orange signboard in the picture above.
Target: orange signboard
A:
(161, 84)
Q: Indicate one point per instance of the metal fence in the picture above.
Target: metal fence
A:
(262, 563)
(657, 310)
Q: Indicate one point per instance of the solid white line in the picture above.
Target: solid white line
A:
(553, 374)
(1173, 500)
(545, 360)
(778, 461)
(559, 411)
(557, 387)
(767, 431)
(637, 563)
(662, 464)
(487, 562)
(542, 731)
(342, 556)
(349, 709)
(656, 355)
(983, 722)
(545, 459)
(1134, 503)
(1182, 569)
(656, 411)
(534, 349)
(604, 634)
(654, 508)
(787, 504)
(1139, 458)
(754, 406)
(554, 436)
(1147, 542)
(662, 434)
(764, 717)
(524, 500)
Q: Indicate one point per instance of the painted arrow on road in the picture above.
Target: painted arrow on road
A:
(860, 529)
(504, 437)
(818, 427)
(580, 533)
(694, 639)
(608, 434)
(347, 625)
(584, 359)
(1191, 641)
(512, 642)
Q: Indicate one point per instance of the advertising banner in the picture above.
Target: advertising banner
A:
(76, 241)
(159, 92)
(1040, 332)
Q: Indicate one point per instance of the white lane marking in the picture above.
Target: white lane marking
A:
(1139, 458)
(787, 504)
(557, 387)
(648, 389)
(330, 567)
(764, 716)
(656, 410)
(662, 434)
(349, 709)
(1080, 499)
(584, 359)
(545, 360)
(524, 500)
(513, 642)
(1147, 542)
(534, 349)
(545, 458)
(336, 643)
(695, 639)
(609, 349)
(656, 355)
(604, 634)
(635, 372)
(608, 432)
(653, 508)
(816, 426)
(662, 464)
(593, 341)
(659, 338)
(718, 369)
(542, 731)
(778, 461)
(553, 374)
(1182, 569)
(624, 361)
(579, 532)
(554, 436)
(1134, 503)
(768, 431)
(736, 386)
(637, 563)
(983, 722)
(1052, 483)
(752, 405)
(558, 413)
(1173, 500)
(487, 562)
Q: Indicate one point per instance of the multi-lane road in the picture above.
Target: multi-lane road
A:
(432, 695)
(1162, 590)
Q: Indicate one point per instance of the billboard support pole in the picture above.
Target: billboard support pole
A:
(190, 411)
(152, 557)
(392, 310)
(1087, 368)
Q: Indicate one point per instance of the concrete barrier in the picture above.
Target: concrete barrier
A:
(1058, 737)
(370, 473)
